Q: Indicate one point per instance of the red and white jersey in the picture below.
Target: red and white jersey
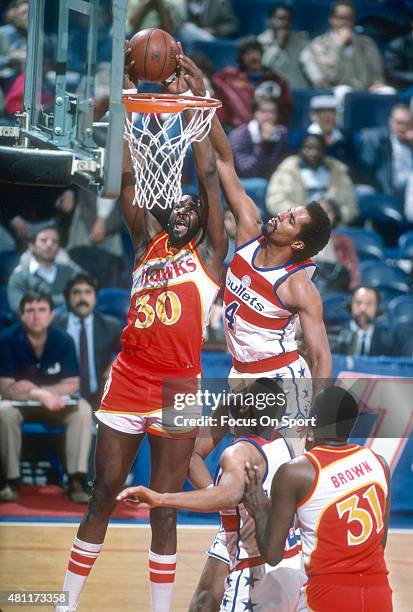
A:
(171, 298)
(239, 526)
(342, 517)
(257, 324)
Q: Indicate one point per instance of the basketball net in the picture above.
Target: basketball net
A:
(158, 143)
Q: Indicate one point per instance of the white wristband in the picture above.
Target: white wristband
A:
(190, 94)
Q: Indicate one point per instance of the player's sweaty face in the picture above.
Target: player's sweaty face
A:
(184, 221)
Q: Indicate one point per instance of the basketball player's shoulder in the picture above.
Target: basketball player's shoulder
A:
(298, 291)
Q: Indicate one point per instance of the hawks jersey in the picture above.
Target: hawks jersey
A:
(171, 298)
(342, 517)
(257, 324)
(239, 526)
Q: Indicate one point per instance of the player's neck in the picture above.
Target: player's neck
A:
(333, 442)
(272, 256)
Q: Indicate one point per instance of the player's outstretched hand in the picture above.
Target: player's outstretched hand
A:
(135, 496)
(254, 498)
(192, 75)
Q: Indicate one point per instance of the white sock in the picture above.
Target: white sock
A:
(162, 578)
(81, 560)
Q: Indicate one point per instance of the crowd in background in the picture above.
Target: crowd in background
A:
(289, 104)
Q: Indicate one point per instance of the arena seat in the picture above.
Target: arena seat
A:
(406, 245)
(221, 53)
(366, 110)
(8, 261)
(390, 280)
(336, 308)
(400, 309)
(368, 244)
(384, 211)
(4, 302)
(300, 119)
(114, 301)
(42, 429)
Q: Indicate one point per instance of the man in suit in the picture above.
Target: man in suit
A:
(96, 336)
(386, 153)
(363, 336)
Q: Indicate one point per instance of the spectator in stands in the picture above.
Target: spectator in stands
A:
(38, 362)
(96, 336)
(338, 263)
(236, 86)
(311, 175)
(398, 61)
(42, 272)
(207, 20)
(342, 57)
(282, 46)
(259, 145)
(363, 335)
(324, 121)
(165, 14)
(385, 154)
(13, 39)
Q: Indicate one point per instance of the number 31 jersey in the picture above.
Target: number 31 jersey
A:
(342, 517)
(171, 298)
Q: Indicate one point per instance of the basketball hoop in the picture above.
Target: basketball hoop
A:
(158, 143)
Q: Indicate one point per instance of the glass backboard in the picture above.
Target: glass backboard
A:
(73, 87)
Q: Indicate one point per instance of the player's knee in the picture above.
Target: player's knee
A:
(102, 498)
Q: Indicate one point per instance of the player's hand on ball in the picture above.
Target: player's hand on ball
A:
(135, 496)
(192, 75)
(254, 498)
(128, 79)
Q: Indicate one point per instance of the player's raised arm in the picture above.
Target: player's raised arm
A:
(246, 214)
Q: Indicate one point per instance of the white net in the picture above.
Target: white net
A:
(158, 144)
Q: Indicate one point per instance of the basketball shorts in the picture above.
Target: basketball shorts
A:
(262, 587)
(296, 382)
(136, 400)
(328, 597)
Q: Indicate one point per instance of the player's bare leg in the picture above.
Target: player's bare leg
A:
(169, 467)
(211, 587)
(115, 453)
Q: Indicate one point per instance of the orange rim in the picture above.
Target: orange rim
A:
(165, 103)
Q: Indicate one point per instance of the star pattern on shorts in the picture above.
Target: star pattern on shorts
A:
(229, 580)
(250, 580)
(279, 376)
(224, 601)
(302, 372)
(248, 605)
(305, 393)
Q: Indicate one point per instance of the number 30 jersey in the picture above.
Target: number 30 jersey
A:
(171, 298)
(342, 517)
(257, 324)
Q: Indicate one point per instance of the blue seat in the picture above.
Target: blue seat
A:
(368, 244)
(300, 119)
(42, 429)
(406, 245)
(115, 302)
(312, 16)
(366, 110)
(8, 261)
(384, 211)
(390, 280)
(400, 309)
(252, 15)
(336, 308)
(221, 53)
(4, 302)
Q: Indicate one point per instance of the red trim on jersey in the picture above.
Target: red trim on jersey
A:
(316, 466)
(298, 264)
(155, 240)
(239, 267)
(265, 365)
(326, 455)
(252, 562)
(248, 314)
(230, 522)
(359, 580)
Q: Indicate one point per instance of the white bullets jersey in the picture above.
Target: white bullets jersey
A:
(239, 526)
(256, 322)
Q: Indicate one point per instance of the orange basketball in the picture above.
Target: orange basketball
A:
(154, 53)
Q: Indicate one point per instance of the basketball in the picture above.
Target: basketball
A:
(154, 53)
